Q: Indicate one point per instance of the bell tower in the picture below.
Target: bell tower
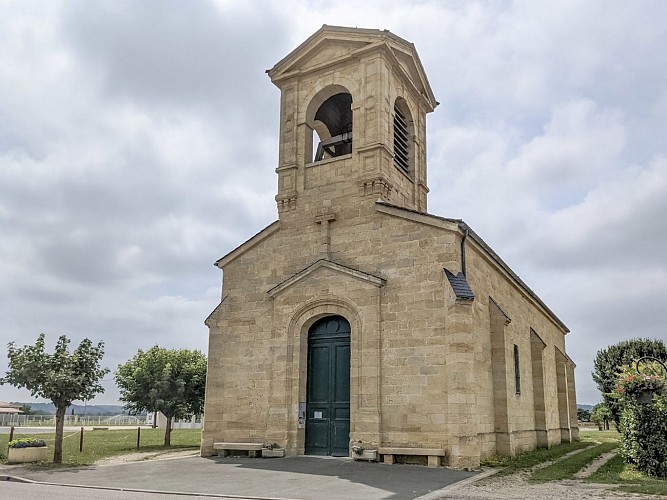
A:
(352, 122)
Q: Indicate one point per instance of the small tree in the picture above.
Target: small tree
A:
(171, 381)
(601, 415)
(26, 409)
(61, 377)
(583, 415)
(609, 361)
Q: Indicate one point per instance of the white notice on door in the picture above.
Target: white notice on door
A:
(318, 414)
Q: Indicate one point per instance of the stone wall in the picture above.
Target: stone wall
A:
(427, 370)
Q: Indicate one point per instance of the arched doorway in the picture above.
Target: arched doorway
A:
(328, 388)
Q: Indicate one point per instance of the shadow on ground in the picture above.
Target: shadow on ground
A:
(292, 477)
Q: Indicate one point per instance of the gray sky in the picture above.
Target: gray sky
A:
(138, 142)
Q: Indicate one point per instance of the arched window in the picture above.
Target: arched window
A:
(333, 125)
(403, 130)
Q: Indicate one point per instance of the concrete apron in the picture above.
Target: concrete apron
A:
(294, 478)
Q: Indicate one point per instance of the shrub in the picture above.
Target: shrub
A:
(27, 443)
(643, 430)
(358, 448)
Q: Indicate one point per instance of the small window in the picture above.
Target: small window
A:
(401, 143)
(517, 371)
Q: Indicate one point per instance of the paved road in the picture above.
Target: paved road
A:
(52, 430)
(28, 430)
(301, 478)
(21, 491)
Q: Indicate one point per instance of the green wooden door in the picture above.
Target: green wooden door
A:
(328, 388)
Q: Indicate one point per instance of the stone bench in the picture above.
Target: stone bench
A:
(434, 454)
(254, 449)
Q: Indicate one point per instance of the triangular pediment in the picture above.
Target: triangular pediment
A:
(335, 44)
(326, 264)
(325, 51)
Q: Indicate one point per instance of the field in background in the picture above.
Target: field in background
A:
(7, 420)
(98, 444)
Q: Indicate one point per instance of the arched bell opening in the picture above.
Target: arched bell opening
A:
(330, 118)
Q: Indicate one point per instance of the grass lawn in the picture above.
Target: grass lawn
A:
(566, 469)
(616, 471)
(599, 442)
(589, 439)
(533, 458)
(105, 443)
(594, 444)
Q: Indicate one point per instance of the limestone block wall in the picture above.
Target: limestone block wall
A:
(427, 370)
(538, 406)
(240, 351)
(256, 360)
(410, 257)
(323, 293)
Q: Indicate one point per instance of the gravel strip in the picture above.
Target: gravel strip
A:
(595, 465)
(147, 455)
(517, 487)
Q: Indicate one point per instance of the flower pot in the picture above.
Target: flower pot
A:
(274, 453)
(368, 455)
(24, 455)
(645, 397)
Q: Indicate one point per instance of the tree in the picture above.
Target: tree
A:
(601, 415)
(171, 381)
(583, 415)
(608, 363)
(26, 409)
(61, 377)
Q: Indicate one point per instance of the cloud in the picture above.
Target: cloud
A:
(138, 142)
(175, 53)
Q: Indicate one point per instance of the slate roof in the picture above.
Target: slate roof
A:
(460, 286)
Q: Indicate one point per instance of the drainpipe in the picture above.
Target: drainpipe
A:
(463, 253)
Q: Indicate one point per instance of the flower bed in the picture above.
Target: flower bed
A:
(27, 450)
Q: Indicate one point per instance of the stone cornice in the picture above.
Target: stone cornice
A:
(413, 215)
(327, 264)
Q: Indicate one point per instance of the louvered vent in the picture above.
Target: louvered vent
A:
(401, 156)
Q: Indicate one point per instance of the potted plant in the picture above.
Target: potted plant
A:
(272, 450)
(26, 450)
(641, 385)
(359, 452)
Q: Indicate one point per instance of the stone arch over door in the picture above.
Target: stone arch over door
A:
(297, 337)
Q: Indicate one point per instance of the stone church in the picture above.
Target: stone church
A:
(359, 318)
